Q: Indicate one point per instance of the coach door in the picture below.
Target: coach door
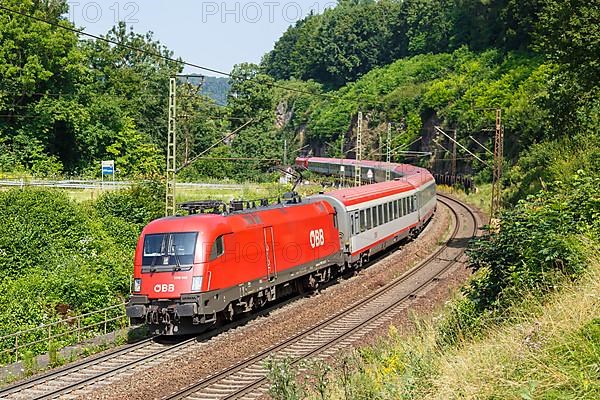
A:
(270, 252)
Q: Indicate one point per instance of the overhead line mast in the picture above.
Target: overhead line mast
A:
(498, 162)
(357, 168)
(170, 202)
(388, 171)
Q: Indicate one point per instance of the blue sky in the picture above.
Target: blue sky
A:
(215, 34)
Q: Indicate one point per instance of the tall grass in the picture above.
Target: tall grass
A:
(545, 349)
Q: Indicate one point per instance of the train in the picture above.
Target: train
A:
(193, 272)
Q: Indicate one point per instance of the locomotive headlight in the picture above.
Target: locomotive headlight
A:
(137, 285)
(196, 283)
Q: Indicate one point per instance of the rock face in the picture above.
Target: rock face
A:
(282, 114)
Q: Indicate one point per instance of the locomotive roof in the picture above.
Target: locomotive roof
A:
(256, 216)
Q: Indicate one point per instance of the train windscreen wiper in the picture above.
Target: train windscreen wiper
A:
(178, 264)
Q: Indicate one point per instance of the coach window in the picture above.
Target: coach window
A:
(369, 219)
(386, 215)
(397, 209)
(380, 211)
(404, 206)
(363, 221)
(352, 225)
(391, 210)
(218, 248)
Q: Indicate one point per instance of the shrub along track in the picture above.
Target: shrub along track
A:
(80, 379)
(247, 379)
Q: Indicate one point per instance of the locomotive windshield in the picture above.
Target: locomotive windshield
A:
(169, 249)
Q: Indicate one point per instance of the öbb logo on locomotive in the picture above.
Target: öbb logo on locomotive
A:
(164, 288)
(317, 238)
(186, 279)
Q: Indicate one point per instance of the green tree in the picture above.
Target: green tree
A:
(139, 79)
(568, 32)
(38, 60)
(250, 96)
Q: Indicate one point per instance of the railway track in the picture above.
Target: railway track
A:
(247, 379)
(79, 375)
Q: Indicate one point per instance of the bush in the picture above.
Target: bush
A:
(542, 241)
(138, 205)
(59, 258)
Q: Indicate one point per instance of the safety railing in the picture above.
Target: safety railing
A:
(69, 331)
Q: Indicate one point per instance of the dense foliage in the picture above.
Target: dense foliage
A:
(349, 40)
(544, 239)
(60, 258)
(66, 104)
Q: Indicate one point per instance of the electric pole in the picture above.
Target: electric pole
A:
(388, 171)
(357, 169)
(498, 161)
(434, 159)
(170, 205)
(453, 166)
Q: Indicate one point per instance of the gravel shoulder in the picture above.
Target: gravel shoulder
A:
(164, 378)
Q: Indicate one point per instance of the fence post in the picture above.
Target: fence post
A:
(105, 320)
(78, 329)
(17, 347)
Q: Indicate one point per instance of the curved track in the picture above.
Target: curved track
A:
(248, 380)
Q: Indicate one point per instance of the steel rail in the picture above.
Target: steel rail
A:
(249, 376)
(61, 381)
(44, 377)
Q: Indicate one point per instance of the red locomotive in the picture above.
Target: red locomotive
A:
(192, 271)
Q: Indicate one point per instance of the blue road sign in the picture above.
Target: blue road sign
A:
(108, 167)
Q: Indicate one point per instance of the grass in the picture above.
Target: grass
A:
(550, 350)
(481, 198)
(545, 349)
(248, 191)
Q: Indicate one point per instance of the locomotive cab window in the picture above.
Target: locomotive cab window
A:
(217, 249)
(169, 249)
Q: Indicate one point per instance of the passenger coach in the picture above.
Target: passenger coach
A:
(374, 217)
